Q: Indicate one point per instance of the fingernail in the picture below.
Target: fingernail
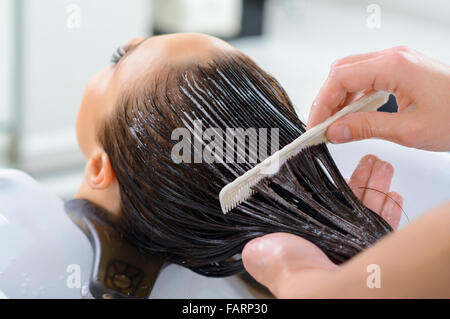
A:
(388, 210)
(339, 134)
(368, 160)
(386, 167)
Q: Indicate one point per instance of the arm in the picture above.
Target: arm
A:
(414, 263)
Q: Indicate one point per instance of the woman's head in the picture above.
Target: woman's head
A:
(171, 209)
(144, 61)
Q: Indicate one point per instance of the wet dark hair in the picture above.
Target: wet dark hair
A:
(172, 210)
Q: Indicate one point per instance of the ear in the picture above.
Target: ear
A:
(98, 171)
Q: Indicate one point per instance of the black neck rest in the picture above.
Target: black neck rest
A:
(119, 270)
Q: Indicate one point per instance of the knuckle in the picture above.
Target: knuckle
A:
(338, 62)
(400, 60)
(402, 48)
(334, 75)
(365, 128)
(399, 57)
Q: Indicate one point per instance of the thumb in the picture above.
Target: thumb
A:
(363, 125)
(275, 259)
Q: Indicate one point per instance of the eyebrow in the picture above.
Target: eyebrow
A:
(130, 49)
(133, 47)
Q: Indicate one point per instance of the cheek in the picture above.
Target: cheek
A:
(82, 130)
(86, 118)
(97, 98)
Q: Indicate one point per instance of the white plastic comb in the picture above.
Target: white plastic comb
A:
(241, 188)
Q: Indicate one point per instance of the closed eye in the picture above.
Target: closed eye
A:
(123, 50)
(118, 54)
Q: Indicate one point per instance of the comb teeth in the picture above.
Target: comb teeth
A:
(241, 188)
(229, 199)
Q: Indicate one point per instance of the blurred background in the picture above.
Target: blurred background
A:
(49, 49)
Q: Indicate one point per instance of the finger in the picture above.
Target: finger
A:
(392, 209)
(378, 186)
(381, 72)
(274, 258)
(394, 127)
(361, 175)
(365, 56)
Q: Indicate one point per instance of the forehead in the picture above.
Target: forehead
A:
(141, 65)
(153, 55)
